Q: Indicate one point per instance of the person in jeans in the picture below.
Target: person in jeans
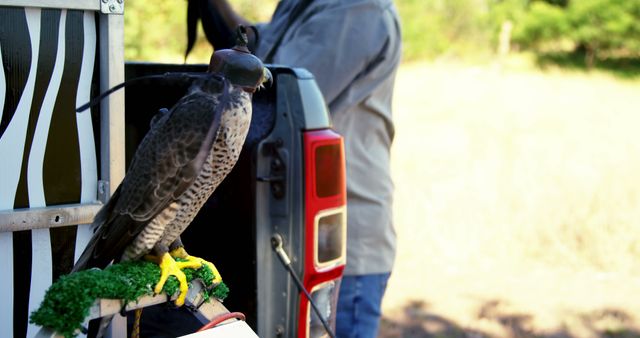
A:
(353, 50)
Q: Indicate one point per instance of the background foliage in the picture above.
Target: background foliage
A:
(597, 30)
(157, 31)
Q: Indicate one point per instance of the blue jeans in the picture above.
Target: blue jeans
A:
(359, 301)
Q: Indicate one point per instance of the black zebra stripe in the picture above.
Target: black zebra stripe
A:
(61, 171)
(16, 56)
(49, 22)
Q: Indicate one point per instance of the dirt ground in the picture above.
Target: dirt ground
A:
(517, 202)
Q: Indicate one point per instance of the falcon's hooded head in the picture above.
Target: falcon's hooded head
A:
(239, 66)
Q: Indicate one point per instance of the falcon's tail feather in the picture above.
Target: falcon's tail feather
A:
(101, 217)
(90, 258)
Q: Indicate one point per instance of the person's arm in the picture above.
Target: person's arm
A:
(230, 16)
(215, 11)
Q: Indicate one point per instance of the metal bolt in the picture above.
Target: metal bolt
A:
(103, 188)
(279, 330)
(112, 8)
(277, 190)
(104, 1)
(276, 164)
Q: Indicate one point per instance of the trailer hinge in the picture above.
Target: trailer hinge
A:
(112, 6)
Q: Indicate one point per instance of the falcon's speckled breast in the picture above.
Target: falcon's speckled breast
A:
(167, 226)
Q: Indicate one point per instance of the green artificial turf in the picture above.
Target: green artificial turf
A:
(67, 302)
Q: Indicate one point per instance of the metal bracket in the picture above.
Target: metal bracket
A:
(47, 217)
(112, 6)
(277, 176)
(103, 191)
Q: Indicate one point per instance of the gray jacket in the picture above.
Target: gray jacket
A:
(353, 50)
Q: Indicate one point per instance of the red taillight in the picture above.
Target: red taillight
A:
(325, 208)
(329, 180)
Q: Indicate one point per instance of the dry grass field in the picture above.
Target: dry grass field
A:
(517, 204)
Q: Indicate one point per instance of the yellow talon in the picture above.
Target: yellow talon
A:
(169, 267)
(194, 262)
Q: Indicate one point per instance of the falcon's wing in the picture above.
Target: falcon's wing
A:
(165, 164)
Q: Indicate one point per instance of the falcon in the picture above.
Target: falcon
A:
(187, 152)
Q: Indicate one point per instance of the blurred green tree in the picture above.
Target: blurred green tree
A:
(502, 11)
(595, 28)
(561, 3)
(431, 28)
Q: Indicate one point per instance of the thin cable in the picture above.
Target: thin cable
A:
(276, 243)
(174, 76)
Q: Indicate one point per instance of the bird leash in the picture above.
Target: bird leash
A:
(177, 77)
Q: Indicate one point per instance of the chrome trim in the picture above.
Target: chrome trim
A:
(343, 255)
(309, 310)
